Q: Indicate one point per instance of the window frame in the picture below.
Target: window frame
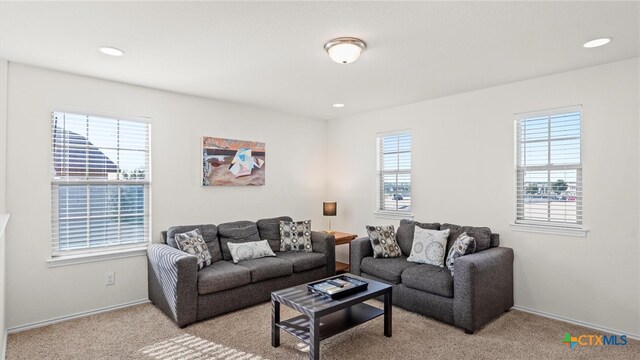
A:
(106, 251)
(380, 174)
(521, 223)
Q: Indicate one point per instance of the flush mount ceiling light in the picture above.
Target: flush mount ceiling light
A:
(108, 50)
(344, 50)
(338, 105)
(597, 42)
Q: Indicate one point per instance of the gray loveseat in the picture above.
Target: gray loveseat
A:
(480, 291)
(187, 295)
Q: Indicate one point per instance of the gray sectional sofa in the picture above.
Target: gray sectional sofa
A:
(187, 295)
(480, 291)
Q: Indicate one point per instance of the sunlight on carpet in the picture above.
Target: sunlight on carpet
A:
(189, 347)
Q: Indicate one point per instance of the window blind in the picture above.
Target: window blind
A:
(394, 172)
(549, 168)
(100, 183)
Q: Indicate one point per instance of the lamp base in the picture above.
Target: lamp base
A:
(330, 232)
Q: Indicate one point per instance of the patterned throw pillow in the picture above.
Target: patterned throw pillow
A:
(429, 246)
(250, 250)
(383, 241)
(464, 245)
(192, 243)
(295, 236)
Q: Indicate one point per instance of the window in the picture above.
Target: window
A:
(100, 180)
(394, 172)
(549, 168)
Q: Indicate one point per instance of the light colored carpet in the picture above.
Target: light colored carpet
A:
(143, 332)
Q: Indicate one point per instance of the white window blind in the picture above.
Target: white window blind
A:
(549, 168)
(394, 172)
(100, 183)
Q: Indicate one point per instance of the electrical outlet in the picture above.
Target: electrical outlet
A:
(109, 278)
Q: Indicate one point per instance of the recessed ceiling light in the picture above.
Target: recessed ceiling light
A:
(597, 42)
(338, 105)
(108, 50)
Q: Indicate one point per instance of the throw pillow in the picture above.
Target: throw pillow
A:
(250, 250)
(464, 245)
(192, 243)
(404, 235)
(383, 241)
(295, 236)
(429, 246)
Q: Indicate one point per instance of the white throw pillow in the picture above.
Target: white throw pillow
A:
(250, 250)
(429, 246)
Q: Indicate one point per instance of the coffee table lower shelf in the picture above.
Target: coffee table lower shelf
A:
(331, 324)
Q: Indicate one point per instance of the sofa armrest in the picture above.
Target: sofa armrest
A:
(482, 286)
(173, 278)
(326, 244)
(360, 249)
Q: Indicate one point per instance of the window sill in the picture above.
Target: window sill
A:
(542, 229)
(393, 215)
(95, 257)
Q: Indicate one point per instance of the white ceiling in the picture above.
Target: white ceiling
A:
(271, 54)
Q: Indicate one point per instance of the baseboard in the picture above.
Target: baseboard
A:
(3, 348)
(577, 322)
(42, 323)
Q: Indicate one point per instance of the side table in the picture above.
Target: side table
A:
(343, 239)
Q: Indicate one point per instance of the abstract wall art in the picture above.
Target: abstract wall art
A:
(228, 162)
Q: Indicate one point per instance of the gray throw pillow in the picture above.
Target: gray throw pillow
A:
(464, 245)
(192, 243)
(429, 246)
(383, 241)
(295, 236)
(250, 250)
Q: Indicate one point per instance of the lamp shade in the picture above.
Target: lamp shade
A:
(329, 208)
(345, 50)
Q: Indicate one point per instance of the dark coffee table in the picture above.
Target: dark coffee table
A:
(324, 317)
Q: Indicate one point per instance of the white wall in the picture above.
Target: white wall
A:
(463, 172)
(295, 181)
(3, 132)
(3, 143)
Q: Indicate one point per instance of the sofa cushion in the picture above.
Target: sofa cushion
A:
(296, 236)
(209, 234)
(249, 250)
(495, 240)
(429, 278)
(236, 232)
(303, 261)
(389, 269)
(383, 241)
(429, 246)
(404, 236)
(267, 268)
(192, 243)
(222, 275)
(269, 229)
(481, 234)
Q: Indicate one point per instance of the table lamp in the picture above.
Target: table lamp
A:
(329, 209)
